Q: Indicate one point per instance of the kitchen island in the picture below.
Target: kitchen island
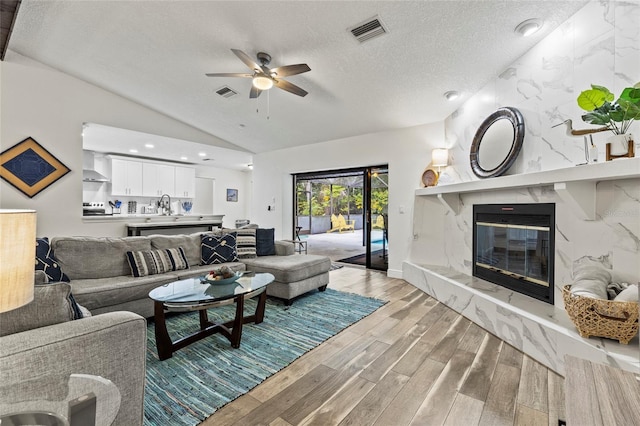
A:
(145, 224)
(136, 229)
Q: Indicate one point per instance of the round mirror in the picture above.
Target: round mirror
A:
(497, 143)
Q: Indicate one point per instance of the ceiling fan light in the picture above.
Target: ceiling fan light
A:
(262, 83)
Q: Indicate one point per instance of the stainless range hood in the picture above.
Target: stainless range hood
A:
(93, 176)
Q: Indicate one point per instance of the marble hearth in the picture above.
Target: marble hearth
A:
(597, 220)
(542, 331)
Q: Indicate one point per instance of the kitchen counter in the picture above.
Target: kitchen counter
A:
(135, 229)
(153, 218)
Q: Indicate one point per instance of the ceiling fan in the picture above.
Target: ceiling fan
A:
(264, 78)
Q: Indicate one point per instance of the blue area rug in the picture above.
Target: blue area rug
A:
(199, 379)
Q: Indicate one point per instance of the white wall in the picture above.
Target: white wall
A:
(233, 179)
(50, 106)
(406, 151)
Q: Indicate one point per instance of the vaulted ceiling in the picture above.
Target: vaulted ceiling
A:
(157, 53)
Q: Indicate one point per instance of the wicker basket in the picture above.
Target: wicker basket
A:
(602, 318)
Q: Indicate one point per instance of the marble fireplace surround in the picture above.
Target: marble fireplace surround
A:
(542, 331)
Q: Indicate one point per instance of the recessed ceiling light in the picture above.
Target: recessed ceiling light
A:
(148, 145)
(133, 151)
(184, 158)
(242, 125)
(528, 27)
(202, 154)
(451, 95)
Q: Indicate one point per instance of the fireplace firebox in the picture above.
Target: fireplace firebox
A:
(513, 246)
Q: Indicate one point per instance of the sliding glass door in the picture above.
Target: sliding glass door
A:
(333, 213)
(376, 202)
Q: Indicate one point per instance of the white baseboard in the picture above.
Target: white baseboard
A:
(394, 273)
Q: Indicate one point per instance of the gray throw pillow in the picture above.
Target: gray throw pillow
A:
(51, 305)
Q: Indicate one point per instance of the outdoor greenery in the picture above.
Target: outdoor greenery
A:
(326, 198)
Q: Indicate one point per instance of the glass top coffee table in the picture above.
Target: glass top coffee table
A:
(193, 295)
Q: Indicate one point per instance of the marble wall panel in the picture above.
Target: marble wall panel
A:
(598, 45)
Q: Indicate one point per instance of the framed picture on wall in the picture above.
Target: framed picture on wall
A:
(232, 195)
(30, 168)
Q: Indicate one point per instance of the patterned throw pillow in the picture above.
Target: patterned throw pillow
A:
(265, 244)
(218, 248)
(47, 263)
(152, 262)
(178, 258)
(245, 242)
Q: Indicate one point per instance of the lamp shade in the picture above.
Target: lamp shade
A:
(439, 157)
(17, 257)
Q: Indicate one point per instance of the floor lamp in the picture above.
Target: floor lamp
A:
(17, 257)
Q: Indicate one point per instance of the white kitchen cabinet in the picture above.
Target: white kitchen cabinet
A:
(185, 182)
(126, 177)
(158, 179)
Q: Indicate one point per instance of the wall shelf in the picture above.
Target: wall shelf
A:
(576, 186)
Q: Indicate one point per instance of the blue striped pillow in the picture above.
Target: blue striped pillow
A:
(152, 262)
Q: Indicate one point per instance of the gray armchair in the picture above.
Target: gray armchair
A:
(111, 345)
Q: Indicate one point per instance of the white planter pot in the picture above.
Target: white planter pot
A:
(619, 144)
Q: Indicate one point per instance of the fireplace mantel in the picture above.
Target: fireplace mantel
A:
(576, 185)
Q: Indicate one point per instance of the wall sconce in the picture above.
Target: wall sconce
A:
(440, 158)
(18, 254)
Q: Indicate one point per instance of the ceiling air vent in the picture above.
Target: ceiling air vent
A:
(226, 92)
(367, 30)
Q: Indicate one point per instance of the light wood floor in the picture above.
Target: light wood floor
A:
(413, 361)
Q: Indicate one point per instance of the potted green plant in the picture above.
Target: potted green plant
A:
(616, 116)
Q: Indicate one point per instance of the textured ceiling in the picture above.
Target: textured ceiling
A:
(157, 52)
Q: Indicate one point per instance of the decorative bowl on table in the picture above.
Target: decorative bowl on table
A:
(219, 278)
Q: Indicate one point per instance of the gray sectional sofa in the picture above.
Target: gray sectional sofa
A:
(101, 278)
(42, 350)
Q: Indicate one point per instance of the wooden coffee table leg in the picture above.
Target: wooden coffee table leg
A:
(204, 319)
(236, 331)
(163, 341)
(260, 307)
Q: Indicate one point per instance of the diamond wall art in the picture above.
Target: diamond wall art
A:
(30, 168)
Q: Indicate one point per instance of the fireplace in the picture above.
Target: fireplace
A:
(513, 246)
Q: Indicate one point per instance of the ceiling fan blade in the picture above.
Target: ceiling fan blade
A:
(255, 92)
(288, 70)
(246, 59)
(228, 74)
(289, 87)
